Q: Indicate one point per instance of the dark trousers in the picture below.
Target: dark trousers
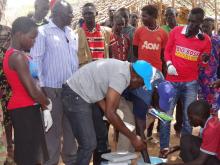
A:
(190, 150)
(101, 130)
(179, 116)
(79, 113)
(60, 129)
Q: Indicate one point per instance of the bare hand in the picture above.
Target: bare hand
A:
(216, 84)
(205, 57)
(139, 144)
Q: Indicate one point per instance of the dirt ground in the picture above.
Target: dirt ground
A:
(153, 148)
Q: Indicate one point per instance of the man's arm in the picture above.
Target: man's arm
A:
(171, 70)
(216, 84)
(164, 66)
(101, 104)
(169, 46)
(135, 51)
(109, 106)
(205, 55)
(136, 42)
(38, 51)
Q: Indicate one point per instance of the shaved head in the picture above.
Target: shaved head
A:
(36, 3)
(60, 7)
(62, 12)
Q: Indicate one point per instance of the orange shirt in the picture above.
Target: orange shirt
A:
(150, 43)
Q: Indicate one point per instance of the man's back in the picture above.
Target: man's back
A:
(92, 81)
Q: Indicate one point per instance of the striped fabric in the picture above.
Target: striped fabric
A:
(96, 41)
(55, 52)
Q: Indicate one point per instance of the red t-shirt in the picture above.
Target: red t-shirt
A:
(185, 54)
(150, 44)
(20, 97)
(211, 137)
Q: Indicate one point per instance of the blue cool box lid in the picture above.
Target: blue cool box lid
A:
(154, 160)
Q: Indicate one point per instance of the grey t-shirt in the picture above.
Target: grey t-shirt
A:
(92, 81)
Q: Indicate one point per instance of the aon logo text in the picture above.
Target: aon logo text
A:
(150, 46)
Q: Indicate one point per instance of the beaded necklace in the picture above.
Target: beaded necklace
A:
(120, 47)
(156, 28)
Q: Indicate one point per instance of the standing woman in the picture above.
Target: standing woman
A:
(27, 98)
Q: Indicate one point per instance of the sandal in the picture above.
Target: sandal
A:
(166, 151)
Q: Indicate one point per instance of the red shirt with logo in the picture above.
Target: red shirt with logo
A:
(211, 137)
(150, 43)
(185, 54)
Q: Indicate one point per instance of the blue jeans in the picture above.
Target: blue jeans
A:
(187, 92)
(79, 113)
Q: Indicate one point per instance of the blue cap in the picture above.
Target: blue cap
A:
(145, 71)
(166, 93)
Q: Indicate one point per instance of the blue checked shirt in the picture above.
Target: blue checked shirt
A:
(55, 53)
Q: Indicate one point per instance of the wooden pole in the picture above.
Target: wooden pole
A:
(216, 17)
(160, 11)
(203, 3)
(193, 3)
(173, 3)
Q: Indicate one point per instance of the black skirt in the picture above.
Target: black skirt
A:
(29, 139)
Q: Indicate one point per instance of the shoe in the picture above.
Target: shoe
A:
(97, 159)
(174, 149)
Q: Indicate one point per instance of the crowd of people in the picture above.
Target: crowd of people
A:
(58, 84)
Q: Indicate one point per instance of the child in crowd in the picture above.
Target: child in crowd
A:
(203, 150)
